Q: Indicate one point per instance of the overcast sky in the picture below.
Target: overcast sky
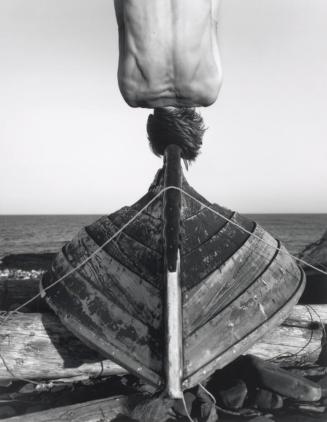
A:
(69, 143)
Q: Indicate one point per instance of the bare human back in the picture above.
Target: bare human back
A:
(168, 52)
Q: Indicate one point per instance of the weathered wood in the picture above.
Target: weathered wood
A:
(300, 339)
(131, 293)
(205, 300)
(143, 261)
(38, 346)
(147, 231)
(92, 411)
(230, 332)
(99, 310)
(105, 323)
(211, 254)
(172, 207)
(24, 398)
(173, 298)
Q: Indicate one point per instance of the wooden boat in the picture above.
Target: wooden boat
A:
(236, 283)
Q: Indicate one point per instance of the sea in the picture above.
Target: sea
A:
(47, 233)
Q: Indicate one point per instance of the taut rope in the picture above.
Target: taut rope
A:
(3, 318)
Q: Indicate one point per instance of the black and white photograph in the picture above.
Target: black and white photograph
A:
(163, 210)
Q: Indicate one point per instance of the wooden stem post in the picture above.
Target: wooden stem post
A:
(173, 303)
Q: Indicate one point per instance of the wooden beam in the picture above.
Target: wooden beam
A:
(38, 346)
(92, 411)
(300, 339)
(173, 296)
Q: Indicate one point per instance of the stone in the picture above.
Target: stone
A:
(267, 400)
(233, 396)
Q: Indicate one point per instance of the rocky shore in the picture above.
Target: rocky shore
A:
(25, 266)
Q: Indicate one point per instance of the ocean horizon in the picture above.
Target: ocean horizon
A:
(38, 233)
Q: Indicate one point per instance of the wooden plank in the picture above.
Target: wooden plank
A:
(37, 346)
(23, 398)
(92, 411)
(233, 331)
(172, 207)
(173, 298)
(96, 318)
(129, 291)
(105, 327)
(200, 262)
(204, 301)
(201, 226)
(144, 262)
(147, 229)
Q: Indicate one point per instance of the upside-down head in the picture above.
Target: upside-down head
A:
(180, 126)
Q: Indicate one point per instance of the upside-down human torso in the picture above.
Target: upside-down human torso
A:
(168, 52)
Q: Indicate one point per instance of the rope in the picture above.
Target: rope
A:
(5, 318)
(209, 394)
(307, 344)
(302, 261)
(322, 325)
(81, 264)
(186, 410)
(162, 191)
(276, 248)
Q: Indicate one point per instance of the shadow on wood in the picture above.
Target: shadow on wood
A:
(37, 346)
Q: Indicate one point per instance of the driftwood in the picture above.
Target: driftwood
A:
(301, 339)
(22, 398)
(93, 411)
(109, 410)
(38, 346)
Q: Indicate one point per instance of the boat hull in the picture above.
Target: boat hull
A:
(237, 283)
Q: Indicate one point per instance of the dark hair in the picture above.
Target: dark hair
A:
(181, 126)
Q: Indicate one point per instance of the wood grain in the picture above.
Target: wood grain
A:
(92, 411)
(37, 346)
(232, 331)
(200, 262)
(221, 287)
